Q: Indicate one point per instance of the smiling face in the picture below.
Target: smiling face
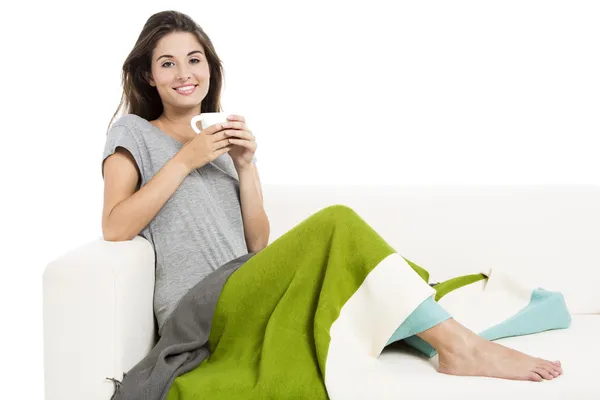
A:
(180, 71)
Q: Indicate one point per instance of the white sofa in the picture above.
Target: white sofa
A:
(98, 318)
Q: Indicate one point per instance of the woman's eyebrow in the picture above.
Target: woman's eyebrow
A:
(189, 54)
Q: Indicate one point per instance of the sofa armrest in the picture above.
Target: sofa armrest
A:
(98, 317)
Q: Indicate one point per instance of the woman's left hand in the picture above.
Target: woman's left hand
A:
(242, 153)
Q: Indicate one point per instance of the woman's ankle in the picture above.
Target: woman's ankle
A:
(447, 336)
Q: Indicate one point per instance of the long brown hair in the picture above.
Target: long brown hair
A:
(138, 96)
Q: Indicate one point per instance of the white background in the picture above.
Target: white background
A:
(355, 92)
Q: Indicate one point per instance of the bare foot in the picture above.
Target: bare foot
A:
(484, 358)
(462, 352)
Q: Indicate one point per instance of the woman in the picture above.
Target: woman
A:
(198, 199)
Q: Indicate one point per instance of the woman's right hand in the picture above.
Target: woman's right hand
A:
(205, 147)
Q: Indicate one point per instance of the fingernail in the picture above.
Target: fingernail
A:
(225, 125)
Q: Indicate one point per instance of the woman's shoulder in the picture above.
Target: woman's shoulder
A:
(131, 121)
(130, 125)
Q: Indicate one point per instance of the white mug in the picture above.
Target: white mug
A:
(208, 119)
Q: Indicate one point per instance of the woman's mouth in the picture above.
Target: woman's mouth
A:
(186, 90)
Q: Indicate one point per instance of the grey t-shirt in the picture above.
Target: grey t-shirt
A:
(199, 228)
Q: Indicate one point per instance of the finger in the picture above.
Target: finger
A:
(235, 117)
(220, 135)
(237, 125)
(221, 151)
(220, 144)
(233, 133)
(211, 130)
(244, 143)
(239, 134)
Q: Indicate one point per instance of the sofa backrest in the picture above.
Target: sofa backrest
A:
(548, 234)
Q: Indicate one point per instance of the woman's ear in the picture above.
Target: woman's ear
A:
(148, 78)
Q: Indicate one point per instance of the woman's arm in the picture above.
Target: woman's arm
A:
(256, 222)
(127, 211)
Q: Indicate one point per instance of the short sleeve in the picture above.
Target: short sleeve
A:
(121, 136)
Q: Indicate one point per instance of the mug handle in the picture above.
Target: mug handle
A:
(193, 122)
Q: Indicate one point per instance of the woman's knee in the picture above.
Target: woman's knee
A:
(339, 213)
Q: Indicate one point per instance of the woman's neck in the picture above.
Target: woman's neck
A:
(178, 123)
(179, 118)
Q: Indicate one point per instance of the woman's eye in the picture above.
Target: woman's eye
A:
(193, 61)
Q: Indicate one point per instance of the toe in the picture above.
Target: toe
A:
(535, 377)
(554, 369)
(557, 370)
(544, 373)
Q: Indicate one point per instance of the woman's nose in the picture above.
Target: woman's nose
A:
(183, 73)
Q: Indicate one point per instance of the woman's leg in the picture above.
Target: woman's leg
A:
(461, 352)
